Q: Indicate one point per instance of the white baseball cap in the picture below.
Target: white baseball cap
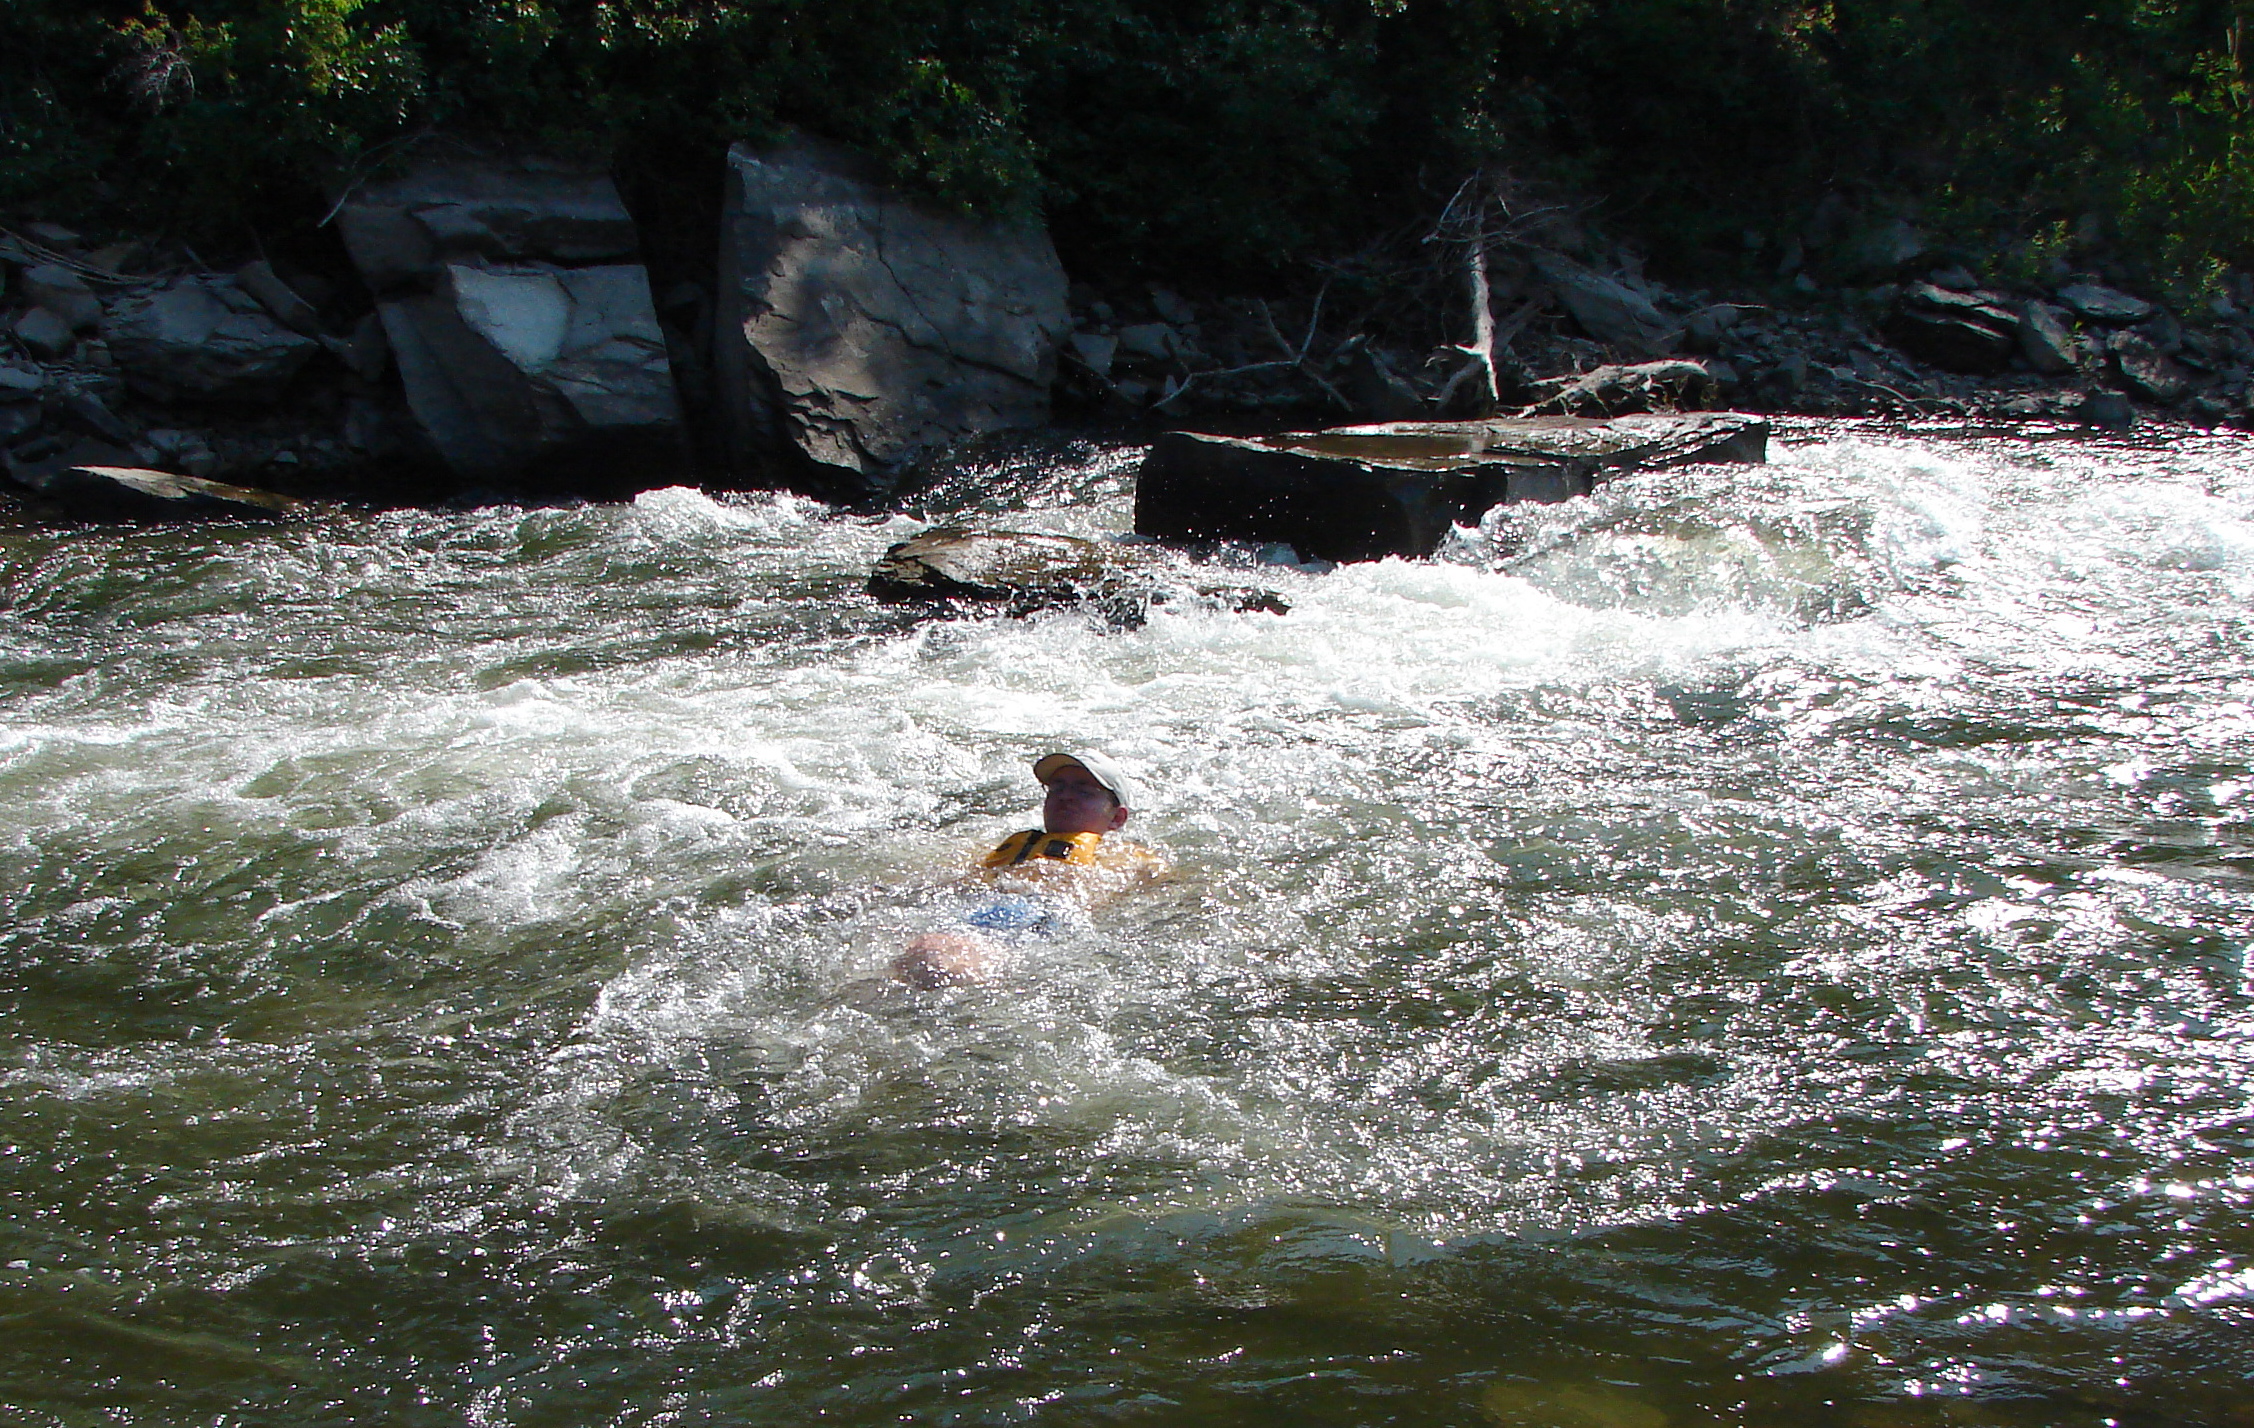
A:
(1099, 768)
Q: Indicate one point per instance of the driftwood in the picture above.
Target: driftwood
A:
(1297, 359)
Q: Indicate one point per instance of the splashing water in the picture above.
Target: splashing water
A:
(1757, 945)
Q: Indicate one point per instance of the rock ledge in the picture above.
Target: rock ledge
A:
(1365, 492)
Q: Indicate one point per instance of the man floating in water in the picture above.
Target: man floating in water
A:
(1043, 876)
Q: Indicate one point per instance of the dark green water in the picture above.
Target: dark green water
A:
(1753, 947)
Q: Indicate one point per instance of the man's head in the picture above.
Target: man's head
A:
(1088, 793)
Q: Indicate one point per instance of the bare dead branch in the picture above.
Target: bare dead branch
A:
(1299, 358)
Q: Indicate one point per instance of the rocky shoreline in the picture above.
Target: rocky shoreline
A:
(486, 329)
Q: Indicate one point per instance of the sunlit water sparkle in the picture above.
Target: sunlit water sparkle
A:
(1759, 945)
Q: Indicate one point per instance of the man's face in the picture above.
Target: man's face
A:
(1076, 803)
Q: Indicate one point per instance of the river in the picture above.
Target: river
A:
(1758, 946)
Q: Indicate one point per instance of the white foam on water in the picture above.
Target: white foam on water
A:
(1431, 789)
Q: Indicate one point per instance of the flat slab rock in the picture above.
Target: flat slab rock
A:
(1024, 571)
(1366, 492)
(132, 494)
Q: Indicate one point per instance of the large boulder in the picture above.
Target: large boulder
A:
(523, 329)
(538, 373)
(1364, 492)
(203, 338)
(859, 327)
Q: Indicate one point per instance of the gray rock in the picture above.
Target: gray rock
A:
(1172, 307)
(21, 384)
(63, 293)
(1020, 572)
(1095, 351)
(365, 351)
(859, 328)
(1362, 493)
(1148, 342)
(203, 337)
(2163, 331)
(1959, 331)
(466, 204)
(1608, 310)
(535, 372)
(2103, 304)
(2208, 409)
(1669, 385)
(133, 494)
(2146, 369)
(278, 298)
(528, 352)
(2044, 338)
(1705, 329)
(93, 416)
(16, 418)
(1882, 250)
(367, 427)
(45, 333)
(2111, 410)
(54, 235)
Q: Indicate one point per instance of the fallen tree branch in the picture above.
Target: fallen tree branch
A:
(366, 169)
(1299, 358)
(36, 252)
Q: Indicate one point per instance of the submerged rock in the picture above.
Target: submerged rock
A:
(136, 494)
(1022, 571)
(1365, 492)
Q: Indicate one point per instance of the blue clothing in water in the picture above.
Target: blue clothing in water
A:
(1014, 915)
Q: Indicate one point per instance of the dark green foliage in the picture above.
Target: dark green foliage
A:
(1218, 139)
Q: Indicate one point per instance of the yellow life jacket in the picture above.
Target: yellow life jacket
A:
(1035, 846)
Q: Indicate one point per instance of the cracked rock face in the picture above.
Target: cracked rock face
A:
(861, 328)
(204, 338)
(525, 334)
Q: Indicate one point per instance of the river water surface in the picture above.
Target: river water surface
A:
(1756, 946)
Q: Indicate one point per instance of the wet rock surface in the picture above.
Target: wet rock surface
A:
(1364, 492)
(92, 492)
(947, 567)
